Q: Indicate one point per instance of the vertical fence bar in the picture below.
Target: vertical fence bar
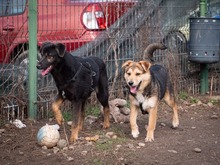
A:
(32, 29)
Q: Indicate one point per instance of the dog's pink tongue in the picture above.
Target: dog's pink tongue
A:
(133, 89)
(46, 71)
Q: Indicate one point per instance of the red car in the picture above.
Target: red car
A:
(73, 22)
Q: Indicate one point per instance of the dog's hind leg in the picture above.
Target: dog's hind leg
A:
(104, 101)
(56, 109)
(82, 116)
(170, 100)
(76, 121)
(102, 95)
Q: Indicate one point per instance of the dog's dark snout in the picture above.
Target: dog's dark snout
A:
(38, 66)
(130, 83)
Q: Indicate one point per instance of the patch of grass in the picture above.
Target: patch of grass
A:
(183, 95)
(118, 132)
(67, 116)
(193, 99)
(214, 101)
(109, 144)
(93, 110)
(96, 161)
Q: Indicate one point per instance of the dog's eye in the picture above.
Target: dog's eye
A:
(138, 74)
(128, 74)
(50, 58)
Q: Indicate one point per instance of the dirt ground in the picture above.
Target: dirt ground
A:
(195, 142)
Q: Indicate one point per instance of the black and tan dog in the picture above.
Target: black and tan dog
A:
(148, 84)
(76, 78)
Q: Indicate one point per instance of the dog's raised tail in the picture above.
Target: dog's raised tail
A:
(149, 51)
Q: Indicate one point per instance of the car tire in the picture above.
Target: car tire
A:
(176, 42)
(22, 63)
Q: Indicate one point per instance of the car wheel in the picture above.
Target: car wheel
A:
(22, 62)
(176, 42)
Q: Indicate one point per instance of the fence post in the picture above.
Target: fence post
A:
(32, 29)
(203, 67)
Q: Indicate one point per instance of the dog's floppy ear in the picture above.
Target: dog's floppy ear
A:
(127, 63)
(145, 64)
(45, 44)
(60, 48)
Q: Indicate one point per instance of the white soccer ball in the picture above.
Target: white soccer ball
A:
(48, 135)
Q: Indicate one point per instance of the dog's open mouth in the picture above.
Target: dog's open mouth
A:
(133, 89)
(46, 71)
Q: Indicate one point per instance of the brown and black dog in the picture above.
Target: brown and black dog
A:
(76, 78)
(148, 84)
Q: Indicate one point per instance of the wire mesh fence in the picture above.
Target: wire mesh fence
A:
(115, 30)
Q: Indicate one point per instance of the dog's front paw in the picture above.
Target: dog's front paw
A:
(175, 124)
(73, 139)
(135, 133)
(149, 137)
(74, 135)
(106, 125)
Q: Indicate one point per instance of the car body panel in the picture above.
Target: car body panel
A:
(57, 21)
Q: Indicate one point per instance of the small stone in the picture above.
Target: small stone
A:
(91, 119)
(109, 134)
(197, 150)
(44, 147)
(173, 151)
(121, 159)
(199, 103)
(118, 146)
(21, 153)
(163, 124)
(2, 130)
(193, 127)
(141, 144)
(214, 116)
(93, 138)
(65, 148)
(62, 143)
(71, 147)
(55, 150)
(84, 152)
(50, 119)
(130, 146)
(69, 123)
(114, 137)
(210, 104)
(70, 159)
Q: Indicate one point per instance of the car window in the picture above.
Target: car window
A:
(12, 7)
